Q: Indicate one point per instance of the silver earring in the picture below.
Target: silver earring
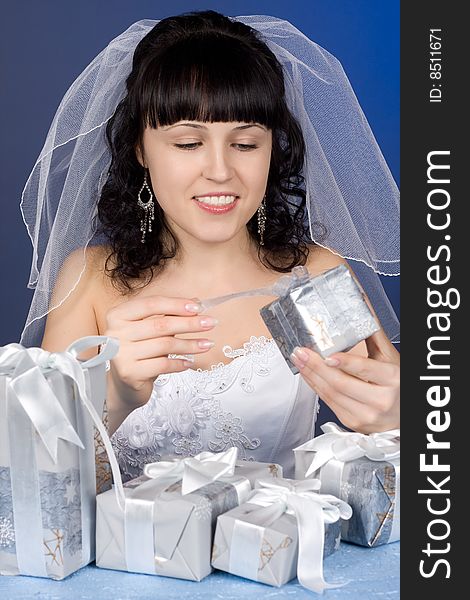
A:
(262, 220)
(148, 209)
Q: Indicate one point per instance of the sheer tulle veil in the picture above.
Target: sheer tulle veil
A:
(349, 187)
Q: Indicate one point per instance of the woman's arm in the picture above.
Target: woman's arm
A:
(146, 328)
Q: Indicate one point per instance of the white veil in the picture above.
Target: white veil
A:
(349, 187)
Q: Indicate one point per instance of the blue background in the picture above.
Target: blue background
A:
(45, 45)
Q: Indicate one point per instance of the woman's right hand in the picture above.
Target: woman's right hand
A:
(146, 328)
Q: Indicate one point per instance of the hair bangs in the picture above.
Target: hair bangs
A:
(210, 78)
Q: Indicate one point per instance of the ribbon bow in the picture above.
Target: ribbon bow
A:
(32, 391)
(311, 509)
(32, 403)
(345, 446)
(196, 471)
(141, 541)
(30, 388)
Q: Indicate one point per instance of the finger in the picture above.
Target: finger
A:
(144, 307)
(169, 345)
(366, 369)
(351, 412)
(151, 368)
(381, 348)
(335, 382)
(163, 326)
(337, 401)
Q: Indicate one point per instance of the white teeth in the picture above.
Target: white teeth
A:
(216, 200)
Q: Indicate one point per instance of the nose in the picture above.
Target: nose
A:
(217, 166)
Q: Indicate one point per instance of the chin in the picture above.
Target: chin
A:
(215, 237)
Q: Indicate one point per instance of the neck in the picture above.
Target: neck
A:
(216, 267)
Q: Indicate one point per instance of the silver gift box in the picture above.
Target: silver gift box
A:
(327, 313)
(183, 526)
(276, 558)
(63, 498)
(371, 488)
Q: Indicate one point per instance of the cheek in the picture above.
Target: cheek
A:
(170, 174)
(257, 172)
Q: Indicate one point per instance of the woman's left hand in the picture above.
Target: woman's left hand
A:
(364, 393)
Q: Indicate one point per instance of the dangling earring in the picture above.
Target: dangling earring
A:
(262, 220)
(148, 208)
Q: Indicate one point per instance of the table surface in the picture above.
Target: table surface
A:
(372, 573)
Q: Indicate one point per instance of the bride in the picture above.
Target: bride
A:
(211, 186)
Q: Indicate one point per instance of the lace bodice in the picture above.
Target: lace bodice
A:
(254, 402)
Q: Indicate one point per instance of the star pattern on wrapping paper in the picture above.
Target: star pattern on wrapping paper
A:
(203, 510)
(389, 481)
(268, 551)
(54, 547)
(345, 488)
(70, 492)
(7, 533)
(383, 516)
(320, 333)
(274, 470)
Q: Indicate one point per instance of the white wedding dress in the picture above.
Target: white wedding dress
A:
(254, 403)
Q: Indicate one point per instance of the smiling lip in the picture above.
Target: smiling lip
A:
(216, 194)
(216, 210)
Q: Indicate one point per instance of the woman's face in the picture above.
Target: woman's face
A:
(209, 178)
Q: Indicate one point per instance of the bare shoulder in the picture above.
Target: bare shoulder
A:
(82, 272)
(321, 259)
(92, 257)
(81, 280)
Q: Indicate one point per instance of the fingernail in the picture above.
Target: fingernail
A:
(193, 307)
(301, 354)
(208, 322)
(206, 344)
(332, 362)
(296, 361)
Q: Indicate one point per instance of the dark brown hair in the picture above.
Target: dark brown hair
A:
(207, 67)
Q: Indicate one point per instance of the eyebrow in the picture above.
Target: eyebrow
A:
(197, 126)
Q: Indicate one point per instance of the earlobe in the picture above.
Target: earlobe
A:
(139, 156)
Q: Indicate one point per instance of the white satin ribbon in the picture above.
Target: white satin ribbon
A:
(195, 472)
(345, 446)
(311, 509)
(281, 287)
(31, 403)
(336, 447)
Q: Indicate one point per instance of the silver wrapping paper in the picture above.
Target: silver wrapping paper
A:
(370, 487)
(327, 313)
(279, 549)
(61, 522)
(184, 526)
(59, 484)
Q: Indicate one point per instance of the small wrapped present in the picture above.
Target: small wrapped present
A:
(285, 529)
(364, 471)
(48, 404)
(163, 522)
(326, 313)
